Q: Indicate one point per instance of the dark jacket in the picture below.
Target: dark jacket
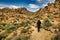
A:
(39, 23)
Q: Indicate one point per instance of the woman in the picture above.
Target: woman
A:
(38, 25)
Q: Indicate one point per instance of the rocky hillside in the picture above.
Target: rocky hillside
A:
(52, 11)
(16, 24)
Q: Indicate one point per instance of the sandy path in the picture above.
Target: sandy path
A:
(42, 35)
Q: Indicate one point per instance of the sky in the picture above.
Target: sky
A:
(31, 5)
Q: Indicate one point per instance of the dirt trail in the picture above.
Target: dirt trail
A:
(42, 35)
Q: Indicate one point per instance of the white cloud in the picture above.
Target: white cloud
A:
(13, 6)
(33, 6)
(10, 6)
(42, 6)
(51, 1)
(39, 0)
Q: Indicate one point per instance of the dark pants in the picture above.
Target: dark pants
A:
(39, 29)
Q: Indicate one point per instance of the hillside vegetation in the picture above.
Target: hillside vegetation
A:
(19, 24)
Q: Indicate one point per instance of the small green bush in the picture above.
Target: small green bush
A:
(4, 35)
(56, 36)
(37, 17)
(17, 18)
(25, 24)
(47, 22)
(1, 37)
(18, 38)
(25, 38)
(21, 37)
(24, 31)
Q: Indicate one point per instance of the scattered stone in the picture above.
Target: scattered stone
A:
(28, 35)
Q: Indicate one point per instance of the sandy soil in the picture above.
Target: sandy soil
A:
(42, 35)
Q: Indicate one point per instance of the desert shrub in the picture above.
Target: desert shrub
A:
(37, 17)
(47, 22)
(29, 28)
(56, 36)
(25, 24)
(0, 19)
(48, 15)
(4, 25)
(0, 37)
(21, 24)
(24, 31)
(17, 18)
(59, 28)
(33, 20)
(56, 13)
(25, 38)
(9, 27)
(4, 35)
(30, 18)
(18, 38)
(12, 27)
(21, 37)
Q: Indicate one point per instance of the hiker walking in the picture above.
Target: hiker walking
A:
(38, 25)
